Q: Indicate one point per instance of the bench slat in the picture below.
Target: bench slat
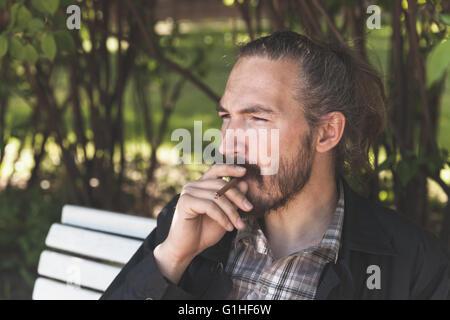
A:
(113, 222)
(45, 289)
(75, 270)
(92, 243)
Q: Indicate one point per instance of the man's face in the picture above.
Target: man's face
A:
(260, 95)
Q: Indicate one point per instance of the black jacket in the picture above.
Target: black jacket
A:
(412, 263)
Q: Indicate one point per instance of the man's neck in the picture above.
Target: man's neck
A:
(304, 220)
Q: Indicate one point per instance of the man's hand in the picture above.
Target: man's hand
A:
(200, 220)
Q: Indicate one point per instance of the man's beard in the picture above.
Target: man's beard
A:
(275, 191)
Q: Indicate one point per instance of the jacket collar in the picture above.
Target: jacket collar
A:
(361, 231)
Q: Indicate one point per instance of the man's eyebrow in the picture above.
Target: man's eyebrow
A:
(254, 108)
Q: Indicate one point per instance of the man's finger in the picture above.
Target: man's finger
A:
(235, 195)
(194, 206)
(223, 202)
(238, 198)
(224, 170)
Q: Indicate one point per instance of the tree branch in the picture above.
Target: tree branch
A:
(337, 35)
(172, 65)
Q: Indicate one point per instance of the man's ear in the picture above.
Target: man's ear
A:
(330, 131)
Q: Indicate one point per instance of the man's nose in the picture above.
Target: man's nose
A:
(233, 142)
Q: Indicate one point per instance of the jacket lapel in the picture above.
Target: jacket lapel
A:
(216, 282)
(361, 232)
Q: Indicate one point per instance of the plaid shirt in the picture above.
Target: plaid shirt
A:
(256, 275)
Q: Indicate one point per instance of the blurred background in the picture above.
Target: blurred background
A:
(86, 115)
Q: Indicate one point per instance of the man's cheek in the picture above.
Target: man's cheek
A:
(269, 151)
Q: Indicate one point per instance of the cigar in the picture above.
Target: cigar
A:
(230, 184)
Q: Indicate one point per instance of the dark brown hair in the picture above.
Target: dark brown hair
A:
(332, 78)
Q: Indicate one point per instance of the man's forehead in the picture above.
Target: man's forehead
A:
(260, 81)
(263, 72)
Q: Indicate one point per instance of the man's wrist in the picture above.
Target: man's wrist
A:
(170, 264)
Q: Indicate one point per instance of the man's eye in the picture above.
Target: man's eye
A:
(224, 116)
(259, 119)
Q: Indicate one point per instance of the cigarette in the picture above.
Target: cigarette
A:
(230, 184)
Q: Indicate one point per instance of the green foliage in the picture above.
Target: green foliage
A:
(438, 61)
(45, 6)
(35, 25)
(64, 41)
(16, 49)
(445, 18)
(28, 37)
(25, 218)
(23, 17)
(30, 54)
(13, 13)
(407, 167)
(3, 45)
(406, 170)
(48, 46)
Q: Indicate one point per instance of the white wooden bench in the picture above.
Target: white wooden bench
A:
(86, 251)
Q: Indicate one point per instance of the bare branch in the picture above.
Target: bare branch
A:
(172, 65)
(334, 30)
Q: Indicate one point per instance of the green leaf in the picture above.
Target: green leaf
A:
(445, 18)
(3, 45)
(66, 3)
(45, 6)
(23, 17)
(15, 7)
(437, 62)
(38, 5)
(52, 5)
(48, 46)
(64, 41)
(405, 171)
(35, 25)
(31, 54)
(16, 49)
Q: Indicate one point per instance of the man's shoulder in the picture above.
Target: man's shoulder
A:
(406, 235)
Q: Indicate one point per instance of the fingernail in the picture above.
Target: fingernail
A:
(241, 169)
(230, 226)
(247, 204)
(240, 224)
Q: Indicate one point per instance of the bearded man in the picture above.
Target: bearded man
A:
(302, 232)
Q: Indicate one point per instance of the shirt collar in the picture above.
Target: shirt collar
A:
(361, 231)
(329, 246)
(331, 240)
